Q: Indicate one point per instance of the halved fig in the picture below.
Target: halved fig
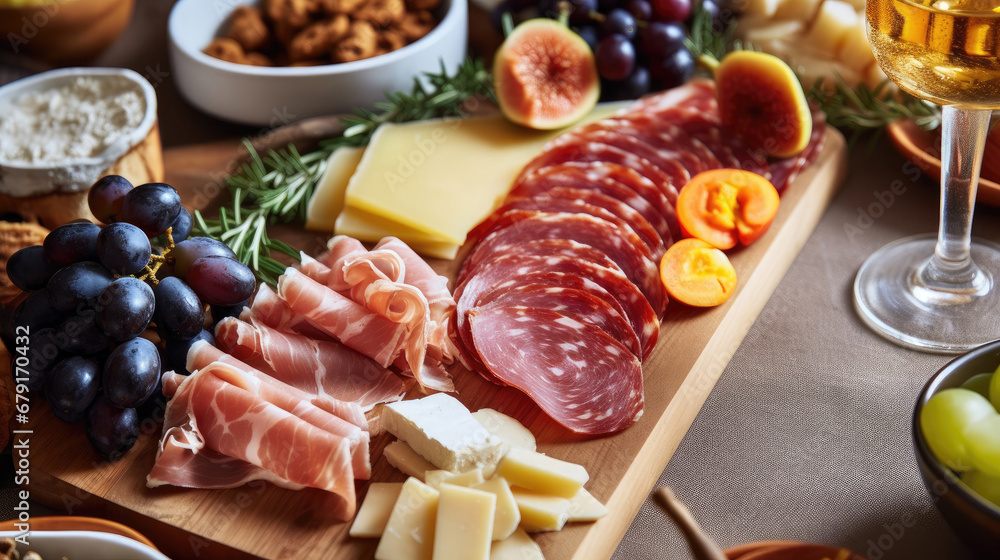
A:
(761, 99)
(545, 75)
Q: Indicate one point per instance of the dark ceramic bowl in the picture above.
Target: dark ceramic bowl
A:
(975, 520)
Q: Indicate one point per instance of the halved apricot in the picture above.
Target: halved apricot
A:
(727, 206)
(696, 273)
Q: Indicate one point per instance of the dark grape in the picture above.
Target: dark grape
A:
(619, 21)
(76, 284)
(181, 227)
(81, 335)
(125, 308)
(615, 57)
(73, 385)
(590, 35)
(190, 250)
(106, 196)
(642, 10)
(43, 355)
(152, 207)
(672, 10)
(131, 372)
(111, 431)
(28, 269)
(177, 350)
(71, 243)
(605, 6)
(220, 312)
(662, 39)
(123, 248)
(221, 280)
(673, 70)
(36, 312)
(179, 312)
(636, 85)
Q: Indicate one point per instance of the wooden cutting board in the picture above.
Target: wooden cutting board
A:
(261, 520)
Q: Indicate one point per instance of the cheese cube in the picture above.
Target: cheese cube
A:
(832, 26)
(540, 512)
(404, 458)
(584, 507)
(373, 515)
(518, 546)
(547, 475)
(328, 198)
(507, 517)
(507, 428)
(409, 534)
(857, 52)
(465, 520)
(802, 10)
(441, 430)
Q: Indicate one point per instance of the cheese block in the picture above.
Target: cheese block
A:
(540, 512)
(584, 507)
(465, 519)
(404, 458)
(507, 428)
(533, 471)
(441, 430)
(444, 176)
(328, 198)
(409, 533)
(832, 26)
(507, 516)
(518, 546)
(468, 479)
(373, 515)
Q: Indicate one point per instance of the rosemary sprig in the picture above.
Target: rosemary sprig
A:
(276, 188)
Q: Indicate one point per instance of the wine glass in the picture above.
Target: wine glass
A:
(929, 293)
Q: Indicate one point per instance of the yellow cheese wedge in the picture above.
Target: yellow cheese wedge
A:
(540, 473)
(404, 458)
(409, 534)
(328, 198)
(584, 507)
(507, 515)
(465, 519)
(802, 10)
(444, 176)
(435, 477)
(509, 429)
(373, 515)
(832, 26)
(540, 512)
(371, 227)
(518, 546)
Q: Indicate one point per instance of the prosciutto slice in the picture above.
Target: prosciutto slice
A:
(269, 309)
(221, 411)
(317, 367)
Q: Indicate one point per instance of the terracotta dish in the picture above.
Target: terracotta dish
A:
(64, 31)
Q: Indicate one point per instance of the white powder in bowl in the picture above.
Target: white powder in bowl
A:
(74, 121)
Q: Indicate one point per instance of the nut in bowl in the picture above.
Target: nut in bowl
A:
(275, 95)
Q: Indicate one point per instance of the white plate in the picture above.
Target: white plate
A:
(84, 545)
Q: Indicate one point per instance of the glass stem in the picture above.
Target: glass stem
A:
(963, 138)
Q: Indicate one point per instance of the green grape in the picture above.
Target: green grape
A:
(979, 383)
(983, 484)
(983, 442)
(944, 420)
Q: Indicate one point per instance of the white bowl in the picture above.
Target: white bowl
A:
(85, 545)
(274, 96)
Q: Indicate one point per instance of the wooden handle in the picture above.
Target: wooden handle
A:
(703, 547)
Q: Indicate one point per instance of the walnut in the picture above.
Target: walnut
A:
(342, 6)
(258, 59)
(294, 13)
(390, 40)
(415, 25)
(226, 49)
(360, 43)
(382, 13)
(247, 28)
(319, 38)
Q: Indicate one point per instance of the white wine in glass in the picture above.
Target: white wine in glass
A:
(925, 292)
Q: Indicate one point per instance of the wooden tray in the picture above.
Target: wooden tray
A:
(261, 520)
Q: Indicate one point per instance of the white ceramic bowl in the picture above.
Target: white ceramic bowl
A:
(84, 545)
(274, 96)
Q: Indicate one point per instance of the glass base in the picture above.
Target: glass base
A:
(891, 299)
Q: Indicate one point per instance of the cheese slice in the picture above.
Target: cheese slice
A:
(468, 479)
(465, 519)
(373, 515)
(507, 428)
(409, 534)
(507, 515)
(540, 512)
(372, 227)
(328, 199)
(547, 475)
(444, 176)
(441, 430)
(404, 458)
(518, 546)
(584, 507)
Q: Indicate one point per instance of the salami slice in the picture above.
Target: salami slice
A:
(581, 377)
(617, 133)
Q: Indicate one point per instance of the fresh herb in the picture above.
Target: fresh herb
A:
(277, 188)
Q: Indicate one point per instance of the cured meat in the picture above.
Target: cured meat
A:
(221, 411)
(267, 307)
(316, 367)
(578, 375)
(620, 134)
(340, 249)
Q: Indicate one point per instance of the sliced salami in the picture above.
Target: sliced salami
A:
(617, 133)
(581, 377)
